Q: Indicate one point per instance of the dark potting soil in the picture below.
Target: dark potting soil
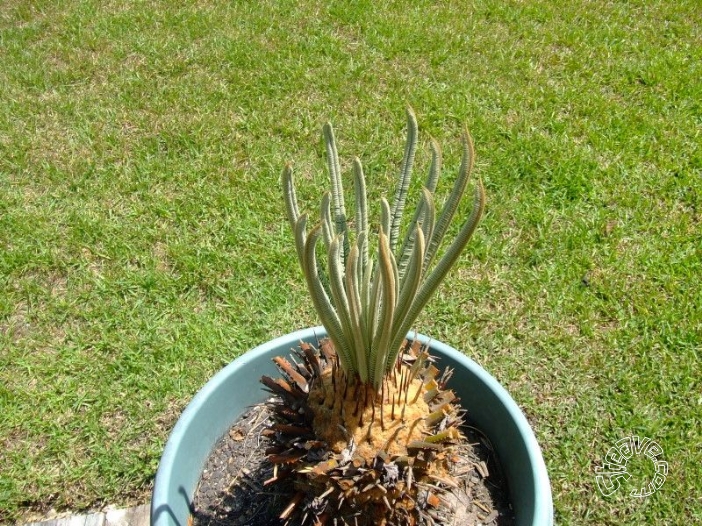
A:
(231, 490)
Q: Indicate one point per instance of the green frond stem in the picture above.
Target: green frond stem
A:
(337, 196)
(379, 349)
(454, 198)
(321, 302)
(369, 294)
(300, 231)
(325, 215)
(404, 179)
(420, 213)
(290, 196)
(385, 216)
(373, 308)
(366, 286)
(292, 210)
(435, 166)
(362, 244)
(361, 206)
(340, 299)
(428, 214)
(355, 313)
(424, 215)
(408, 292)
(430, 186)
(439, 272)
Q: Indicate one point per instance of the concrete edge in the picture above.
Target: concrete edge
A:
(135, 516)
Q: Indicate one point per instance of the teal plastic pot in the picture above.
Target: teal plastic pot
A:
(228, 394)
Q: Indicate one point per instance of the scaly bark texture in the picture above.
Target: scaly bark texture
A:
(361, 455)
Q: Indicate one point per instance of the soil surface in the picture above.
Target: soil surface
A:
(232, 492)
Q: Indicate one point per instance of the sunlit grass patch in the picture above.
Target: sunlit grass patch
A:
(143, 242)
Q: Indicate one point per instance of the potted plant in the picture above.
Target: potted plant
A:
(364, 422)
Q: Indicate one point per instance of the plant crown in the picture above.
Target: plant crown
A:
(368, 307)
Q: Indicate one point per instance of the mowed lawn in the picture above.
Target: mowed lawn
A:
(143, 242)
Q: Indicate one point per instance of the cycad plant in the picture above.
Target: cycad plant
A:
(364, 423)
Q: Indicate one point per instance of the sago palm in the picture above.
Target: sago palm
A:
(364, 423)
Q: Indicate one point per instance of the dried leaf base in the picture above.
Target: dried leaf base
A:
(232, 490)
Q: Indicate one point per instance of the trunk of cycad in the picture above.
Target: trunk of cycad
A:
(359, 455)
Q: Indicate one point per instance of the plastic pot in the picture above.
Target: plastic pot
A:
(227, 395)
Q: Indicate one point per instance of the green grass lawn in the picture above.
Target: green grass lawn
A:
(143, 242)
